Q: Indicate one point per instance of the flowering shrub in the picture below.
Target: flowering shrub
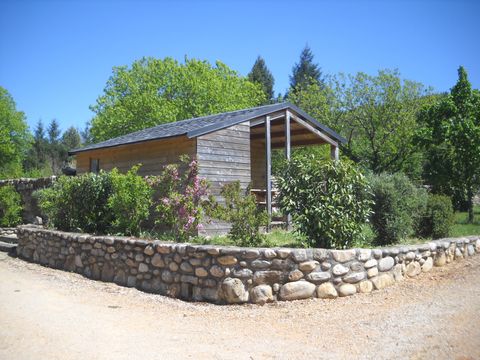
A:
(181, 195)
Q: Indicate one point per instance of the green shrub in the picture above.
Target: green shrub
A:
(78, 203)
(129, 202)
(10, 206)
(438, 218)
(241, 211)
(107, 202)
(398, 207)
(329, 201)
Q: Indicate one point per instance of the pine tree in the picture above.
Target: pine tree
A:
(261, 75)
(53, 132)
(305, 71)
(54, 148)
(37, 155)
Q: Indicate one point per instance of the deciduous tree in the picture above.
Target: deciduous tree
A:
(451, 135)
(155, 91)
(14, 136)
(378, 116)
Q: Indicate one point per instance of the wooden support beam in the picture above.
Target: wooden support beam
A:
(274, 116)
(281, 144)
(281, 134)
(334, 154)
(315, 131)
(268, 157)
(288, 153)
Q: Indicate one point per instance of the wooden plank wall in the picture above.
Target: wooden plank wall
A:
(153, 155)
(258, 164)
(223, 157)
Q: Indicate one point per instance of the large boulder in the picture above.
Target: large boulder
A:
(297, 290)
(234, 291)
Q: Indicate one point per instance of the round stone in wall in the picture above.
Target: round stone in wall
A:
(216, 271)
(261, 294)
(386, 263)
(427, 265)
(297, 290)
(318, 277)
(339, 270)
(347, 289)
(308, 265)
(354, 277)
(234, 291)
(413, 269)
(326, 291)
(365, 286)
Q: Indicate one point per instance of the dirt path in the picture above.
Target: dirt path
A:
(51, 314)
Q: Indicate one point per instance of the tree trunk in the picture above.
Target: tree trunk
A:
(470, 206)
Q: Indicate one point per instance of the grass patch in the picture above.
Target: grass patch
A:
(462, 228)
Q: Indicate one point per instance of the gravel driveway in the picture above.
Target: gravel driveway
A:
(51, 314)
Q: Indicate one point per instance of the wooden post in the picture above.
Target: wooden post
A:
(334, 152)
(288, 153)
(268, 157)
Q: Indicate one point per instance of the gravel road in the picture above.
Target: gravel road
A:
(51, 314)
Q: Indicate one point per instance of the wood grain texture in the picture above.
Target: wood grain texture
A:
(153, 155)
(224, 156)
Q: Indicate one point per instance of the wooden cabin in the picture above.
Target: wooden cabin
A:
(230, 146)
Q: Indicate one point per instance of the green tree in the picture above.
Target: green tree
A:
(378, 116)
(261, 75)
(451, 135)
(305, 71)
(154, 91)
(70, 140)
(14, 136)
(36, 159)
(55, 150)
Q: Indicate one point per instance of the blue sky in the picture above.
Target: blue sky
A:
(56, 56)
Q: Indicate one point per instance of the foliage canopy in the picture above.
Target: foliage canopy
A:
(155, 91)
(14, 136)
(329, 201)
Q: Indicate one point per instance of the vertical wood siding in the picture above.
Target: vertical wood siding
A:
(223, 157)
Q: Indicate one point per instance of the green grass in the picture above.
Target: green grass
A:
(462, 228)
(277, 238)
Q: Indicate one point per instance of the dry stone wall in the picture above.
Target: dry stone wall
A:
(236, 275)
(5, 231)
(26, 187)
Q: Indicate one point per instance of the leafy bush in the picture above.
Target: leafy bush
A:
(242, 212)
(78, 203)
(329, 201)
(438, 218)
(129, 202)
(181, 195)
(10, 206)
(97, 203)
(398, 207)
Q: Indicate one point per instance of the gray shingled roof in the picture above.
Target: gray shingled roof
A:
(205, 124)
